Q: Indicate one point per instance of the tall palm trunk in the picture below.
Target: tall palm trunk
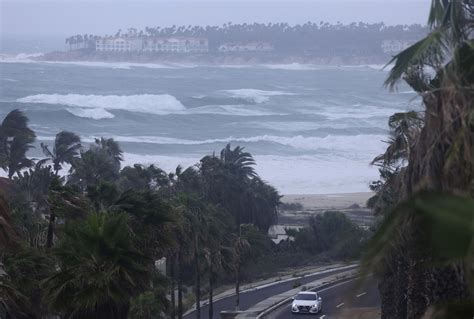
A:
(237, 286)
(211, 290)
(173, 281)
(198, 277)
(237, 268)
(50, 235)
(180, 283)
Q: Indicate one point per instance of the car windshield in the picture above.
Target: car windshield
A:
(305, 297)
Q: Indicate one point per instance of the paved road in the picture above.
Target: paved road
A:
(336, 298)
(251, 298)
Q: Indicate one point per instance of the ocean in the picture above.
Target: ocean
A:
(311, 129)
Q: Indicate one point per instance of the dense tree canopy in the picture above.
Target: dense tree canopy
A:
(88, 237)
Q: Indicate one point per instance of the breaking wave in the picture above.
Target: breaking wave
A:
(254, 95)
(98, 106)
(372, 143)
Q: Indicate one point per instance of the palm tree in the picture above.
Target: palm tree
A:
(440, 162)
(99, 269)
(112, 148)
(262, 201)
(141, 177)
(219, 253)
(404, 131)
(66, 148)
(239, 162)
(16, 139)
(101, 162)
(194, 216)
(227, 182)
(150, 217)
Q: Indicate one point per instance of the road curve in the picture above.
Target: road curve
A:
(340, 296)
(252, 297)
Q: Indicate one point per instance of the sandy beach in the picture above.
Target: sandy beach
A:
(328, 201)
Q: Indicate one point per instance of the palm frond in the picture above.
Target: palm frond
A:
(428, 51)
(437, 12)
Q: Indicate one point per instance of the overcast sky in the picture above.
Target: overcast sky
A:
(66, 17)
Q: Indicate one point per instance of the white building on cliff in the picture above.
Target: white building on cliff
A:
(176, 44)
(151, 44)
(246, 47)
(119, 44)
(395, 46)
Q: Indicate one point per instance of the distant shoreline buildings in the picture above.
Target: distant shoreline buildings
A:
(152, 44)
(246, 47)
(395, 46)
(264, 41)
(179, 44)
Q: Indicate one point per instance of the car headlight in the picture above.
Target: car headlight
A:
(294, 307)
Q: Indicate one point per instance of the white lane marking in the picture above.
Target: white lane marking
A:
(322, 317)
(360, 295)
(320, 272)
(334, 286)
(340, 305)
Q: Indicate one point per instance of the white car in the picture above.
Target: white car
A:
(307, 302)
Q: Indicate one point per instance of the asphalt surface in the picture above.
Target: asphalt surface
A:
(341, 296)
(250, 298)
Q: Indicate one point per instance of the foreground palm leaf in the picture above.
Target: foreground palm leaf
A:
(449, 224)
(100, 270)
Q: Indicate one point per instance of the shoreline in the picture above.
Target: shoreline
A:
(196, 60)
(294, 64)
(335, 201)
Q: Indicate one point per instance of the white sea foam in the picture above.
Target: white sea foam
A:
(19, 58)
(30, 58)
(99, 105)
(289, 174)
(349, 145)
(293, 67)
(356, 111)
(236, 110)
(302, 174)
(121, 65)
(95, 113)
(299, 126)
(255, 95)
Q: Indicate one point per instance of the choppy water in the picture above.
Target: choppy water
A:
(311, 129)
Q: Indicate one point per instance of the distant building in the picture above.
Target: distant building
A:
(176, 44)
(160, 265)
(277, 233)
(246, 47)
(395, 46)
(119, 44)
